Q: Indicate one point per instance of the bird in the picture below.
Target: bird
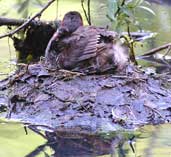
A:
(87, 49)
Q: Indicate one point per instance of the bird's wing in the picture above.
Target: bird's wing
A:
(89, 40)
(90, 48)
(84, 44)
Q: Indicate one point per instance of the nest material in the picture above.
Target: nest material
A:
(63, 99)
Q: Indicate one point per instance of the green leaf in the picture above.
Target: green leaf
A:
(134, 3)
(38, 3)
(111, 9)
(139, 2)
(147, 9)
(128, 12)
(24, 5)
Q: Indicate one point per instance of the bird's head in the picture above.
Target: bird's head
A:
(72, 20)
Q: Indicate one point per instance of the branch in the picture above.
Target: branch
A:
(119, 8)
(11, 22)
(155, 50)
(16, 22)
(28, 21)
(89, 15)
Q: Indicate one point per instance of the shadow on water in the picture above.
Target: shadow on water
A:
(148, 141)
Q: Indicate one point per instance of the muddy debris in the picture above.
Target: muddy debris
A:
(90, 103)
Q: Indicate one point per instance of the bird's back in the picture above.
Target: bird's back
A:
(91, 48)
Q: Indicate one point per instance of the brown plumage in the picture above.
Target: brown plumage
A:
(89, 49)
(71, 21)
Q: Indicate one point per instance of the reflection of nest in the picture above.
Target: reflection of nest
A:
(79, 144)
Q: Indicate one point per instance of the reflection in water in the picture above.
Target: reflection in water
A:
(74, 144)
(149, 141)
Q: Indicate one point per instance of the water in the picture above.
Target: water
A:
(150, 141)
(14, 141)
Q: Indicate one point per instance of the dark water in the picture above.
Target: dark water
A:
(150, 141)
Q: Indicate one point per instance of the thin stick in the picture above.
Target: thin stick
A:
(155, 50)
(17, 22)
(131, 46)
(89, 15)
(28, 21)
(119, 8)
(156, 111)
(85, 13)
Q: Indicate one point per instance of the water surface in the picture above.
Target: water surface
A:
(149, 141)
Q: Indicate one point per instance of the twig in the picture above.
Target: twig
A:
(28, 21)
(155, 50)
(88, 18)
(119, 8)
(156, 111)
(167, 51)
(129, 77)
(131, 46)
(85, 13)
(34, 129)
(89, 15)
